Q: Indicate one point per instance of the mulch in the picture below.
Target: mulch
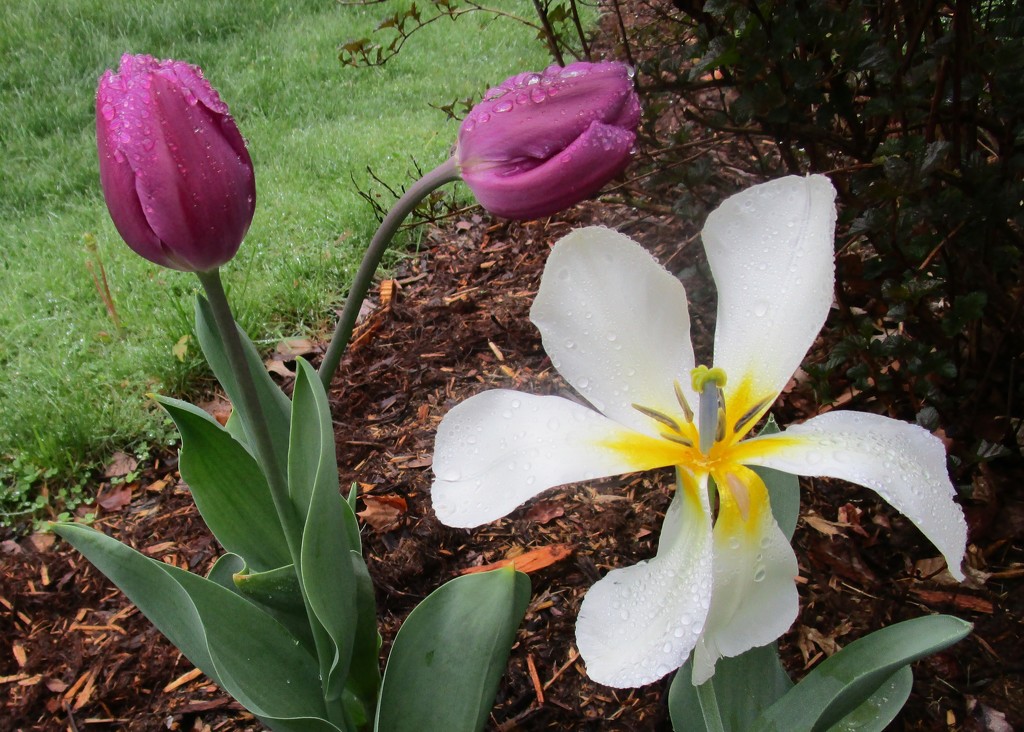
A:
(451, 321)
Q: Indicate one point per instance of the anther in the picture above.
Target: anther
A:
(678, 439)
(658, 417)
(743, 421)
(681, 398)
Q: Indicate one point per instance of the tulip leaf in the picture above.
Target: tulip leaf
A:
(450, 654)
(278, 588)
(783, 489)
(275, 405)
(325, 567)
(277, 592)
(744, 686)
(224, 570)
(846, 680)
(364, 671)
(248, 653)
(879, 709)
(229, 488)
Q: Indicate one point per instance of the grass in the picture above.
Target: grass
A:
(72, 385)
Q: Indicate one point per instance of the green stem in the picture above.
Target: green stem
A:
(255, 426)
(250, 410)
(709, 706)
(444, 173)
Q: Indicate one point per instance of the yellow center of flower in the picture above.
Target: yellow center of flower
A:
(712, 449)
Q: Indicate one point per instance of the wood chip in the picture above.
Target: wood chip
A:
(182, 680)
(531, 561)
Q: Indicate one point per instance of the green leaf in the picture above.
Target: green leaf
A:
(224, 570)
(841, 683)
(325, 567)
(248, 653)
(278, 593)
(278, 588)
(364, 670)
(875, 714)
(229, 488)
(783, 489)
(450, 654)
(275, 405)
(744, 685)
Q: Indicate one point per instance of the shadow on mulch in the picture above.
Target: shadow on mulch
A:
(453, 321)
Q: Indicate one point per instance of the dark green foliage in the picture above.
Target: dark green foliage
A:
(916, 111)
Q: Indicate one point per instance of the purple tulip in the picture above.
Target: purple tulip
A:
(175, 171)
(539, 143)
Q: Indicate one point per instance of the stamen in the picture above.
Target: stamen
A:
(720, 426)
(678, 439)
(681, 398)
(740, 494)
(750, 414)
(658, 417)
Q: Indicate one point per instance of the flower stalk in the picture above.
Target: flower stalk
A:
(709, 706)
(253, 420)
(444, 173)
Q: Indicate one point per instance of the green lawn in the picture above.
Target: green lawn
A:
(72, 387)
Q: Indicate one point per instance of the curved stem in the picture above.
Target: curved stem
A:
(709, 706)
(446, 172)
(250, 410)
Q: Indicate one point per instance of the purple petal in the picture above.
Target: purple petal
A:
(598, 155)
(175, 171)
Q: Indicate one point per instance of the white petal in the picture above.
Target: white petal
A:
(755, 598)
(771, 252)
(500, 448)
(901, 462)
(639, 623)
(615, 324)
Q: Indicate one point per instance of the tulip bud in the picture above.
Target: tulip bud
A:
(176, 174)
(539, 143)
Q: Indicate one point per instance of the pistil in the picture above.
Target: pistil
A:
(708, 384)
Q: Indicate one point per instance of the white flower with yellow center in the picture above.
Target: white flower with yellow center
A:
(616, 326)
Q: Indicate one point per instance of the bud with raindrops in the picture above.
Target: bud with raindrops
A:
(539, 143)
(175, 171)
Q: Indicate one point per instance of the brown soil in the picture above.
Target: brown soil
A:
(75, 655)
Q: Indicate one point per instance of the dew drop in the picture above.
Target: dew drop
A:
(759, 574)
(504, 105)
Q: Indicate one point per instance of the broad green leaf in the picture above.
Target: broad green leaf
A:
(275, 405)
(229, 488)
(276, 588)
(248, 653)
(277, 591)
(783, 489)
(875, 714)
(744, 685)
(224, 570)
(364, 671)
(841, 683)
(312, 462)
(325, 566)
(450, 654)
